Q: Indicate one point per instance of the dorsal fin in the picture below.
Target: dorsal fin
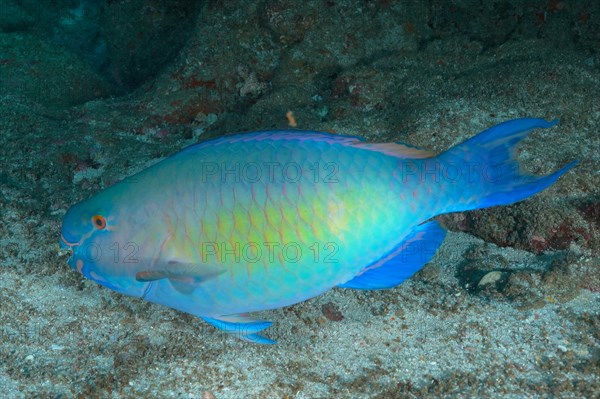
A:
(398, 150)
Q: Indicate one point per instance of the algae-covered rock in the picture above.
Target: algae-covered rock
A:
(45, 73)
(13, 17)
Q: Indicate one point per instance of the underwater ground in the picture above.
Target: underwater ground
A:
(94, 91)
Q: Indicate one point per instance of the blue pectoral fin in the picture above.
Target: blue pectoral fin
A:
(402, 262)
(242, 327)
(184, 277)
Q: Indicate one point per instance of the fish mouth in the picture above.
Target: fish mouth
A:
(65, 247)
(67, 243)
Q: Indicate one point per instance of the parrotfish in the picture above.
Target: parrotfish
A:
(263, 220)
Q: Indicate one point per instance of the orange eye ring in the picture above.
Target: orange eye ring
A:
(99, 222)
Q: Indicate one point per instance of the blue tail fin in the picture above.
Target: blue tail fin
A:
(489, 171)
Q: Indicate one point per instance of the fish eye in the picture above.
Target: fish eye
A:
(99, 222)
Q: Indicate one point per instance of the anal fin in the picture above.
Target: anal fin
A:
(403, 261)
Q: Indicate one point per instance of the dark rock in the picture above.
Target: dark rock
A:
(13, 17)
(332, 312)
(142, 36)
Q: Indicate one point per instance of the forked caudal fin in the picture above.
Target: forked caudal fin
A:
(489, 171)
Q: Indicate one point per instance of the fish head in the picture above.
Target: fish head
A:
(99, 242)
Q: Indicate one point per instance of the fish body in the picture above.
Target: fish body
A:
(263, 220)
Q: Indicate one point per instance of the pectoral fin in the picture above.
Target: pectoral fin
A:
(147, 275)
(184, 277)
